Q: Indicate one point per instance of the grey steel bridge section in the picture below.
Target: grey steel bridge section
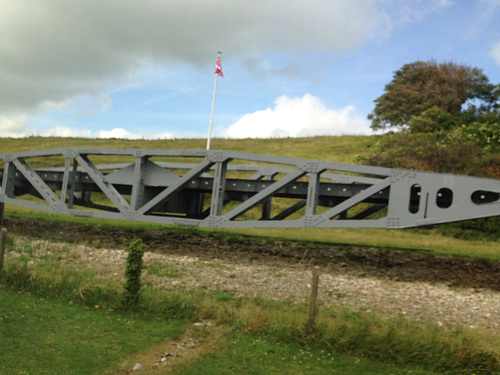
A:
(226, 189)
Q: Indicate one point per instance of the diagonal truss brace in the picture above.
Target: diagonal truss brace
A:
(165, 194)
(41, 187)
(349, 203)
(100, 180)
(259, 197)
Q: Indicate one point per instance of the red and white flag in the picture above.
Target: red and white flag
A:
(218, 66)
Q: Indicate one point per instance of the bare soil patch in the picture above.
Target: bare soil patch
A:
(164, 358)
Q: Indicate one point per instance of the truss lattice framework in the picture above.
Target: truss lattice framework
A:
(225, 189)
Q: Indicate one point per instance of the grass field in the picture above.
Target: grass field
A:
(48, 336)
(246, 354)
(68, 323)
(337, 149)
(56, 322)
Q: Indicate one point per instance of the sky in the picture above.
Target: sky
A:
(293, 68)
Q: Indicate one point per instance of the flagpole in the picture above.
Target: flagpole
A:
(218, 72)
(212, 114)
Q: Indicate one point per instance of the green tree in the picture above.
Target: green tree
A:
(448, 121)
(444, 89)
(447, 118)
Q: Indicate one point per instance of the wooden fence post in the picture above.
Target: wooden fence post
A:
(313, 300)
(3, 237)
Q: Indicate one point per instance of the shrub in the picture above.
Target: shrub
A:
(133, 273)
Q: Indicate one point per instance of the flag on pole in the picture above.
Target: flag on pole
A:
(218, 72)
(218, 66)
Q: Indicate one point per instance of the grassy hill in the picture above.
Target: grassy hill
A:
(337, 149)
(344, 149)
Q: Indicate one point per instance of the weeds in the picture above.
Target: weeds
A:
(359, 334)
(405, 343)
(354, 333)
(161, 270)
(133, 274)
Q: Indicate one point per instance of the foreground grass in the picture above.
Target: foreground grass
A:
(247, 354)
(63, 317)
(47, 336)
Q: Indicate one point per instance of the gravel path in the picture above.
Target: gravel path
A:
(283, 280)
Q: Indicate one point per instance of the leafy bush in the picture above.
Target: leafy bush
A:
(432, 152)
(485, 135)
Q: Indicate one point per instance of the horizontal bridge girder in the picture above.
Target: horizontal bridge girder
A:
(236, 190)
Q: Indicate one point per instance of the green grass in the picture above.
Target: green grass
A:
(46, 336)
(45, 307)
(343, 149)
(248, 354)
(163, 270)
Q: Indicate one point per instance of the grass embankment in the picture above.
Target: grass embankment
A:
(266, 337)
(446, 240)
(45, 306)
(425, 240)
(343, 149)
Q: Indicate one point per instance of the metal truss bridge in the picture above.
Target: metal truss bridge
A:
(225, 189)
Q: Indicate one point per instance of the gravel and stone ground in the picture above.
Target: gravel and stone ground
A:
(283, 280)
(447, 290)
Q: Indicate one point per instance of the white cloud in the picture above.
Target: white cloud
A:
(297, 117)
(495, 53)
(16, 127)
(12, 126)
(115, 133)
(56, 50)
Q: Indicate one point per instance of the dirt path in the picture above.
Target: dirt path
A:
(162, 359)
